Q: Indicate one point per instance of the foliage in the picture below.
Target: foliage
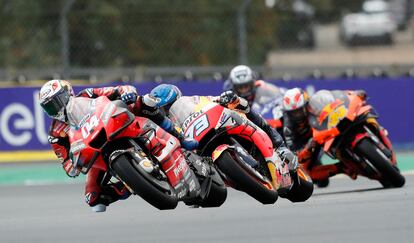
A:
(109, 33)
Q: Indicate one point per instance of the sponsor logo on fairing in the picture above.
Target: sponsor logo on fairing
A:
(182, 193)
(181, 166)
(52, 139)
(77, 146)
(191, 118)
(192, 185)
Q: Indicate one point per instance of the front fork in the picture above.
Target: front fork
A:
(381, 139)
(379, 136)
(247, 161)
(166, 149)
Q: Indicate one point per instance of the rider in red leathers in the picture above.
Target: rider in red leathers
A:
(167, 94)
(54, 96)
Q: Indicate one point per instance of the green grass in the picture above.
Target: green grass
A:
(52, 173)
(49, 173)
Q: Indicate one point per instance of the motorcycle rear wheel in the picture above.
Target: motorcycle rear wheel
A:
(390, 176)
(216, 196)
(135, 178)
(244, 181)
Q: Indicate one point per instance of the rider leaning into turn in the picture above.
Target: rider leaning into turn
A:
(54, 97)
(297, 132)
(167, 94)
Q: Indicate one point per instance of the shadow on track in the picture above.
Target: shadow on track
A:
(349, 191)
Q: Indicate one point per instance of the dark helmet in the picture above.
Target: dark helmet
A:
(243, 80)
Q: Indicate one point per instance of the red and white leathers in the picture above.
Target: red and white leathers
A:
(233, 102)
(95, 192)
(58, 137)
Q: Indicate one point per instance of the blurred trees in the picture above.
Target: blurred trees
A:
(28, 33)
(136, 32)
(331, 10)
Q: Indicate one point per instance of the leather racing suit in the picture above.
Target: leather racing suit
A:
(95, 191)
(298, 136)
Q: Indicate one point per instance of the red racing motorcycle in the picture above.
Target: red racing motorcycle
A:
(106, 136)
(239, 149)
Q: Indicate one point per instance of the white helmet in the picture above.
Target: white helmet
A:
(294, 99)
(242, 79)
(294, 103)
(54, 96)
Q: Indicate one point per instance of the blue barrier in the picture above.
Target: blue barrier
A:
(23, 126)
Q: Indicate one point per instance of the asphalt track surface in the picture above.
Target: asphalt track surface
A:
(346, 211)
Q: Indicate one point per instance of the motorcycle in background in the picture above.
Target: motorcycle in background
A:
(270, 107)
(347, 128)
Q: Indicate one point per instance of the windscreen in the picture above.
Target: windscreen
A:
(320, 101)
(186, 105)
(181, 109)
(324, 97)
(268, 102)
(79, 110)
(267, 94)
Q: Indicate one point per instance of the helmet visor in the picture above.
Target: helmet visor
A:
(53, 106)
(297, 114)
(244, 89)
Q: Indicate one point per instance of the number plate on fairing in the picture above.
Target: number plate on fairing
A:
(336, 116)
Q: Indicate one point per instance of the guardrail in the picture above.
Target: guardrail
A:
(199, 73)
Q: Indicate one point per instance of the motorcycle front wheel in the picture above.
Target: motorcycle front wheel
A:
(302, 188)
(244, 180)
(156, 192)
(389, 175)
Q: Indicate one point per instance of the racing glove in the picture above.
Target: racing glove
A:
(70, 170)
(129, 98)
(232, 101)
(228, 97)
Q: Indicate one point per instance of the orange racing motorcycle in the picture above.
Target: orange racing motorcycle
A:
(347, 128)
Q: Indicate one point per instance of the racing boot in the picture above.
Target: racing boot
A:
(309, 158)
(109, 194)
(324, 182)
(285, 154)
